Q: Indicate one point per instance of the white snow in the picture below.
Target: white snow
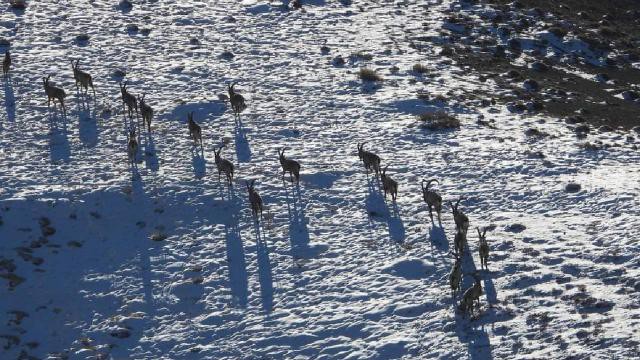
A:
(335, 271)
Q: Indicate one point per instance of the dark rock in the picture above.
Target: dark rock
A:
(227, 55)
(531, 85)
(514, 44)
(338, 61)
(572, 187)
(120, 333)
(583, 129)
(630, 95)
(132, 28)
(539, 66)
(515, 228)
(158, 236)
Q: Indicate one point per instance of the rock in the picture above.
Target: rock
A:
(446, 51)
(82, 38)
(5, 42)
(48, 231)
(539, 66)
(572, 187)
(630, 95)
(227, 55)
(516, 107)
(514, 44)
(194, 41)
(535, 105)
(500, 51)
(515, 228)
(132, 28)
(504, 31)
(338, 61)
(324, 50)
(531, 85)
(125, 5)
(118, 74)
(602, 77)
(512, 74)
(120, 333)
(158, 236)
(583, 129)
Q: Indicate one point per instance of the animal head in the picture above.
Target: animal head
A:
(250, 185)
(454, 208)
(190, 117)
(230, 89)
(384, 171)
(281, 154)
(217, 153)
(426, 188)
(123, 88)
(361, 149)
(482, 235)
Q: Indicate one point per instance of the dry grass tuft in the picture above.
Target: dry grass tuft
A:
(420, 69)
(367, 74)
(439, 120)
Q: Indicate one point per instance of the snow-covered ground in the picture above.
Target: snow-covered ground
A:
(334, 271)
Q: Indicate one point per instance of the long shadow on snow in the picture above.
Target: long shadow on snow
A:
(265, 274)
(238, 277)
(59, 148)
(479, 346)
(198, 162)
(87, 126)
(378, 208)
(151, 154)
(9, 100)
(298, 230)
(243, 151)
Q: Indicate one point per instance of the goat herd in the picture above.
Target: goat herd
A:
(137, 105)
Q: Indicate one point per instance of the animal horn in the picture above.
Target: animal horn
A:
(484, 232)
(479, 234)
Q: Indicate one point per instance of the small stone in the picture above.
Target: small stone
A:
(120, 333)
(82, 38)
(515, 228)
(338, 61)
(539, 66)
(531, 85)
(125, 5)
(158, 236)
(572, 187)
(630, 95)
(48, 231)
(117, 73)
(132, 28)
(227, 55)
(325, 50)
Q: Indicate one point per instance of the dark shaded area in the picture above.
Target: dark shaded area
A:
(610, 28)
